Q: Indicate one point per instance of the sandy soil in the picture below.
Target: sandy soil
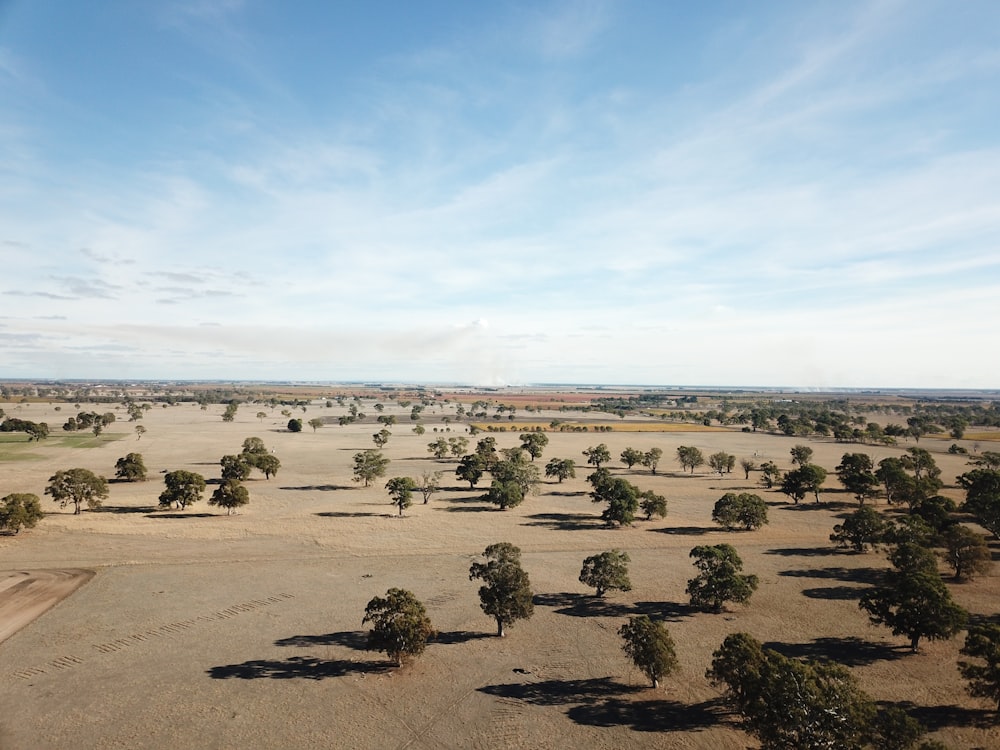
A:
(202, 630)
(25, 594)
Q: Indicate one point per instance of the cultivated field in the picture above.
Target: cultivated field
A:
(205, 630)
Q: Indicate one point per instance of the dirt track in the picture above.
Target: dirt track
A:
(25, 594)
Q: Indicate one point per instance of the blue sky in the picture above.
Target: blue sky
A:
(717, 193)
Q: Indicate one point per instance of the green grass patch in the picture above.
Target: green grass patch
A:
(14, 446)
(83, 440)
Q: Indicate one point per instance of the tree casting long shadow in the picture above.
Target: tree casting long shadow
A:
(297, 667)
(850, 651)
(321, 487)
(804, 551)
(560, 692)
(938, 717)
(687, 530)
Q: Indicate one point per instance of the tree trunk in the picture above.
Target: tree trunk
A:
(914, 640)
(500, 633)
(656, 683)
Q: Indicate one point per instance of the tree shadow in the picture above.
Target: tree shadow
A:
(297, 667)
(687, 530)
(870, 576)
(584, 605)
(651, 716)
(455, 637)
(803, 551)
(579, 493)
(836, 593)
(350, 514)
(849, 651)
(353, 639)
(939, 717)
(125, 509)
(321, 487)
(565, 521)
(470, 509)
(560, 692)
(173, 514)
(822, 505)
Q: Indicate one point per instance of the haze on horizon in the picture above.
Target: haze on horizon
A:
(777, 194)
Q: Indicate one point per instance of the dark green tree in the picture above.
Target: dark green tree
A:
(748, 465)
(607, 571)
(561, 468)
(650, 647)
(651, 459)
(295, 425)
(630, 457)
(721, 462)
(183, 489)
(401, 492)
(797, 483)
(770, 474)
(534, 443)
(863, 528)
(719, 579)
(231, 494)
(130, 468)
(20, 510)
(652, 504)
(471, 469)
(857, 473)
(597, 455)
(787, 704)
(801, 455)
(982, 497)
(734, 510)
(439, 448)
(966, 552)
(982, 642)
(506, 591)
(622, 499)
(914, 601)
(235, 467)
(400, 625)
(381, 438)
(77, 486)
(369, 465)
(690, 457)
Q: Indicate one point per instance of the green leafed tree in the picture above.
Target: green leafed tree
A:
(315, 423)
(130, 468)
(788, 704)
(182, 489)
(77, 486)
(471, 469)
(721, 462)
(597, 455)
(506, 591)
(230, 494)
(982, 497)
(534, 443)
(439, 448)
(560, 468)
(622, 498)
(651, 459)
(630, 457)
(607, 571)
(235, 467)
(861, 529)
(20, 510)
(369, 465)
(400, 625)
(913, 601)
(652, 504)
(689, 457)
(966, 552)
(401, 492)
(381, 438)
(430, 483)
(982, 643)
(857, 473)
(743, 510)
(719, 579)
(650, 647)
(295, 425)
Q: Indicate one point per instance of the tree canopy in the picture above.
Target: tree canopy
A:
(400, 625)
(77, 486)
(131, 468)
(650, 647)
(183, 489)
(369, 465)
(607, 571)
(719, 579)
(20, 510)
(506, 591)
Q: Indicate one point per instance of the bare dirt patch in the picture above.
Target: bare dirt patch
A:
(26, 594)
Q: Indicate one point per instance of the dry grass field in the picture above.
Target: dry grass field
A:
(204, 630)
